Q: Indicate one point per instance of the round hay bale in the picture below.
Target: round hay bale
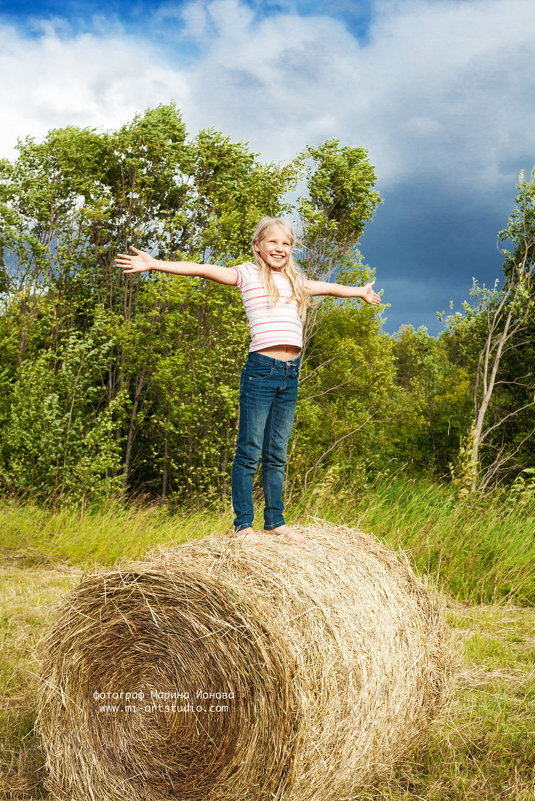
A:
(222, 670)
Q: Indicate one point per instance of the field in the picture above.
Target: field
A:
(483, 746)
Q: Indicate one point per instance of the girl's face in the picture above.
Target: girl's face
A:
(275, 247)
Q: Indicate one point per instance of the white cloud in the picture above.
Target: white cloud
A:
(441, 93)
(440, 86)
(464, 67)
(88, 80)
(195, 19)
(443, 87)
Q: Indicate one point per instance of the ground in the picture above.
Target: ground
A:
(482, 747)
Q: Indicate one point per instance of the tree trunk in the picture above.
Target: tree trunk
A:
(132, 430)
(488, 387)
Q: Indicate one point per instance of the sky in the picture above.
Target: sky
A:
(440, 92)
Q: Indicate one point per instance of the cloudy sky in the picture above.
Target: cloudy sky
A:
(440, 92)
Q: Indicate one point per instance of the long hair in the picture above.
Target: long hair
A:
(290, 270)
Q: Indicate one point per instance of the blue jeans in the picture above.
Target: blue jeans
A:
(268, 394)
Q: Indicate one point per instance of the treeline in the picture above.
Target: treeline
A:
(112, 384)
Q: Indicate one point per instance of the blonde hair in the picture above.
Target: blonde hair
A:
(290, 270)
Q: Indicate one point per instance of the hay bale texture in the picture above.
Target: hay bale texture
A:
(295, 672)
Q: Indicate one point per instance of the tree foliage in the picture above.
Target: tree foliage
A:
(114, 384)
(499, 330)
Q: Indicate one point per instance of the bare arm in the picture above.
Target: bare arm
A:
(366, 292)
(141, 261)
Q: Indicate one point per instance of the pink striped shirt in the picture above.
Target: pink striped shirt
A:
(269, 325)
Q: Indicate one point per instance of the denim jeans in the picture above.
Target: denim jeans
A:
(268, 394)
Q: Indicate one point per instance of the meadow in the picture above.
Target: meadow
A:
(479, 555)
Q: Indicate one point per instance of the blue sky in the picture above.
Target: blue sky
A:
(440, 92)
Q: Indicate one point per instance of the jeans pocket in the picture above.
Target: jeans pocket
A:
(259, 372)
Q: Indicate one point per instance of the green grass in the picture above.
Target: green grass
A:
(481, 749)
(31, 535)
(482, 553)
(483, 746)
(26, 599)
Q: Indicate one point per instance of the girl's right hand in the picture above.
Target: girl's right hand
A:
(134, 264)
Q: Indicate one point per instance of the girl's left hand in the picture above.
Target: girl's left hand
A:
(369, 295)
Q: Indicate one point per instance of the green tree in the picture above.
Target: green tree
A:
(190, 345)
(503, 323)
(111, 383)
(438, 400)
(340, 198)
(68, 205)
(347, 394)
(57, 439)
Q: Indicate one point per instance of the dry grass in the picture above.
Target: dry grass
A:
(27, 601)
(480, 749)
(332, 657)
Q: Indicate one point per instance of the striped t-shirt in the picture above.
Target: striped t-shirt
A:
(279, 324)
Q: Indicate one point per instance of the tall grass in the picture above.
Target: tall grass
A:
(103, 536)
(482, 749)
(481, 552)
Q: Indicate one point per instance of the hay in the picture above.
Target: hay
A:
(331, 656)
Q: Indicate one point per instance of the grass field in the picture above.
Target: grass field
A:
(479, 552)
(483, 746)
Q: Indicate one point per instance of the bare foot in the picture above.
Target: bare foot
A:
(286, 531)
(248, 535)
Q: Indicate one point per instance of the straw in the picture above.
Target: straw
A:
(268, 671)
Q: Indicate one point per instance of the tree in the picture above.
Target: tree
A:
(113, 384)
(340, 199)
(68, 205)
(504, 322)
(437, 400)
(56, 440)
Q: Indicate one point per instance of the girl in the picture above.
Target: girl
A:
(276, 297)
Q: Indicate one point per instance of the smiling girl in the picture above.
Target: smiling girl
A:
(276, 297)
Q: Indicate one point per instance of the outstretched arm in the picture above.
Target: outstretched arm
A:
(366, 292)
(141, 261)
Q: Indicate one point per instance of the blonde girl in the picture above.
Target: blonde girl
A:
(275, 296)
